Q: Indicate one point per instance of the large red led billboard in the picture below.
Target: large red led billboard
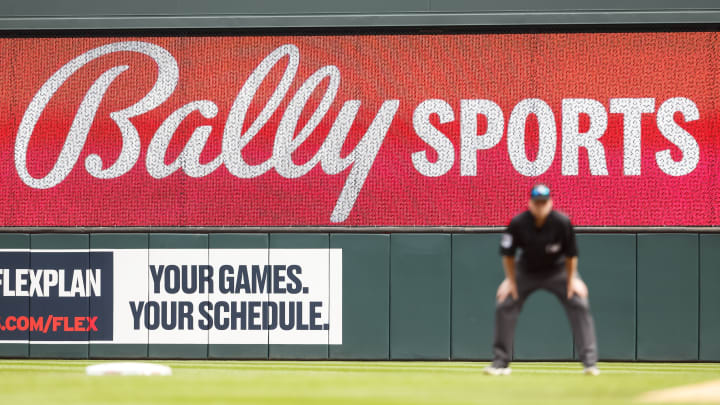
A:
(367, 130)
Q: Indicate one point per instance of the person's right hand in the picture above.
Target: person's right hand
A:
(507, 288)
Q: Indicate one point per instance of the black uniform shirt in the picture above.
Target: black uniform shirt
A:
(544, 249)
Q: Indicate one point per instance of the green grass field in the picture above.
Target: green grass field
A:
(41, 382)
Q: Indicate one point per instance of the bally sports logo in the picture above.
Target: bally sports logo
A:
(465, 142)
(168, 296)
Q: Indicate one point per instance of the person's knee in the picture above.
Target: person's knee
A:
(509, 304)
(579, 303)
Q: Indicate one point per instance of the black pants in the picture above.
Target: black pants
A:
(577, 309)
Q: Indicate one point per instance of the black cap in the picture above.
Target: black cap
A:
(540, 192)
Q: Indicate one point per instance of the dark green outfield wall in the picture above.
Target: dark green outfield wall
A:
(431, 296)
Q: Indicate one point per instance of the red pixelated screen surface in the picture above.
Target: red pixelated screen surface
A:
(367, 130)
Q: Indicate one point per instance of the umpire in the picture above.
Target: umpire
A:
(548, 260)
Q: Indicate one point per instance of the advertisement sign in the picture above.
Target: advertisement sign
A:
(172, 296)
(359, 130)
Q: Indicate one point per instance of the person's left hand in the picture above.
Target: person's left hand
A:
(577, 286)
